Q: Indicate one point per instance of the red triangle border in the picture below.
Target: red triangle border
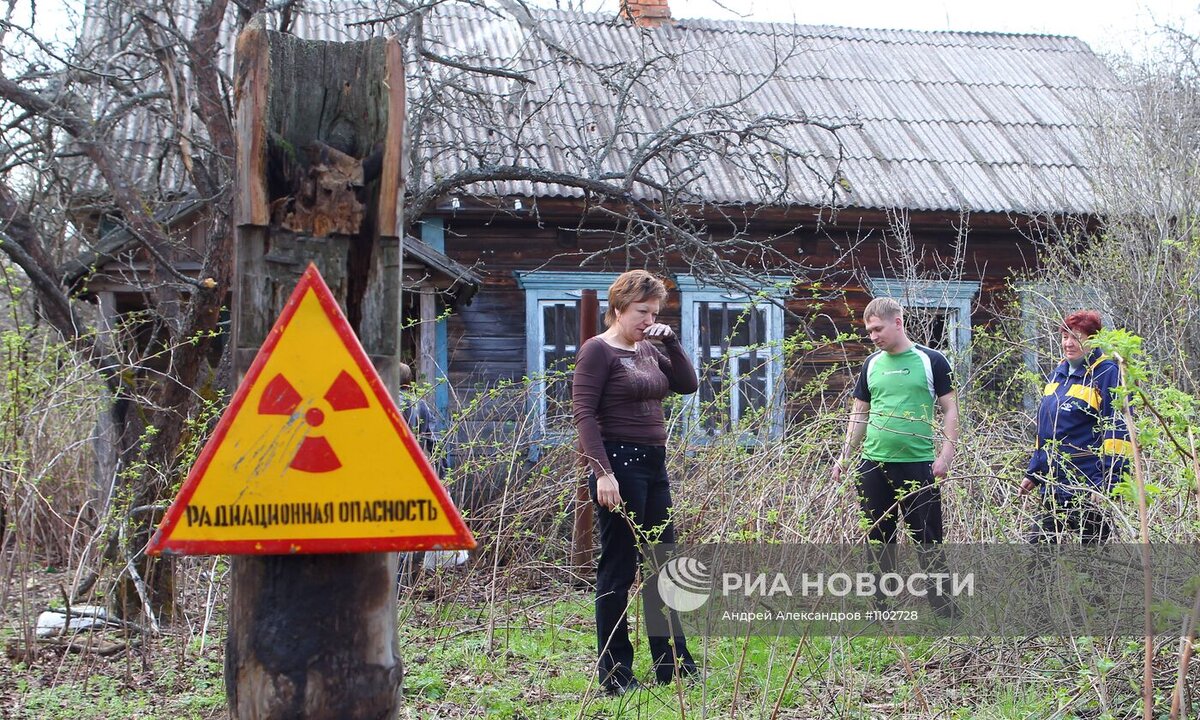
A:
(161, 542)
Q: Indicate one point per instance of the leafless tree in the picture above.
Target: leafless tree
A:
(70, 155)
(106, 135)
(1143, 267)
(490, 126)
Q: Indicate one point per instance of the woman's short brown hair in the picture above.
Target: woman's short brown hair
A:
(404, 374)
(1084, 322)
(632, 286)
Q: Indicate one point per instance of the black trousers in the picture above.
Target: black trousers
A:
(643, 519)
(887, 487)
(1076, 518)
(1068, 511)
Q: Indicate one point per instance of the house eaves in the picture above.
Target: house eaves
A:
(423, 264)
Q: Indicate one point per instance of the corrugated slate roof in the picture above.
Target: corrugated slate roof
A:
(957, 121)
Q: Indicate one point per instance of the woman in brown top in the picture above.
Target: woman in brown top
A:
(620, 381)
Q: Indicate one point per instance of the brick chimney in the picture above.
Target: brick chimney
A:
(646, 13)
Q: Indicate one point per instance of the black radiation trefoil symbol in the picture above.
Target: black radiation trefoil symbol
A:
(315, 454)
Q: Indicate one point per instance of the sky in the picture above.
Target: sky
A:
(1109, 26)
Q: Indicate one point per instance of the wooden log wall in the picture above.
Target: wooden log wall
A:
(487, 339)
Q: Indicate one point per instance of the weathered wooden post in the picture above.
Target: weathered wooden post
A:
(314, 636)
(311, 479)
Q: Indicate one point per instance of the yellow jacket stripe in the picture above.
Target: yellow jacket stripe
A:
(1099, 360)
(1086, 394)
(1116, 446)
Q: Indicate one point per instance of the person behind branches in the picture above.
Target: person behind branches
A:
(620, 381)
(1082, 440)
(421, 418)
(899, 389)
(427, 428)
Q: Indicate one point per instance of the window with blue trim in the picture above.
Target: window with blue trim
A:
(552, 337)
(735, 339)
(937, 312)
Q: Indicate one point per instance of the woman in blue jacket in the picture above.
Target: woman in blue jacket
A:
(1082, 441)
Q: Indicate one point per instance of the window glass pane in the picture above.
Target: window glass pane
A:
(714, 405)
(723, 324)
(731, 323)
(558, 390)
(930, 327)
(560, 333)
(555, 363)
(560, 339)
(732, 339)
(561, 323)
(752, 385)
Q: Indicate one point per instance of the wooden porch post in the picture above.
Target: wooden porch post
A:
(427, 337)
(581, 537)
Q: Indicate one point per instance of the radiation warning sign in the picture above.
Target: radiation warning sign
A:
(312, 455)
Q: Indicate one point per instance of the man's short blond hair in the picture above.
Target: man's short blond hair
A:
(884, 308)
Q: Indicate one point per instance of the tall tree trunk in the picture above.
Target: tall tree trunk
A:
(314, 636)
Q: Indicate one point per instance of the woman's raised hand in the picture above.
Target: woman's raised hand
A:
(659, 331)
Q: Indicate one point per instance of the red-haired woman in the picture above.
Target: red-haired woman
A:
(620, 381)
(1082, 441)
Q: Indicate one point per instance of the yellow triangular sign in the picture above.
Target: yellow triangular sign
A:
(312, 455)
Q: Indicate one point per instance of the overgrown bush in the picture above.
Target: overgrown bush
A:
(516, 484)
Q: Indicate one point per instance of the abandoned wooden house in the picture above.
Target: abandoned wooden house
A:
(796, 171)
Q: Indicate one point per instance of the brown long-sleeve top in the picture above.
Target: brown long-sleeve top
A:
(617, 394)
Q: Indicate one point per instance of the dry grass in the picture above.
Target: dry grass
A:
(518, 492)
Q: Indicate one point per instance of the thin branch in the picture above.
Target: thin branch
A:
(479, 69)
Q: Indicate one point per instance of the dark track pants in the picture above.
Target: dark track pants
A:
(1068, 511)
(887, 487)
(1077, 518)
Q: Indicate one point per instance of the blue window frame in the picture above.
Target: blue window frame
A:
(551, 340)
(941, 316)
(735, 338)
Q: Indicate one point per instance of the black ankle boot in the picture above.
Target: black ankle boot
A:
(616, 689)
